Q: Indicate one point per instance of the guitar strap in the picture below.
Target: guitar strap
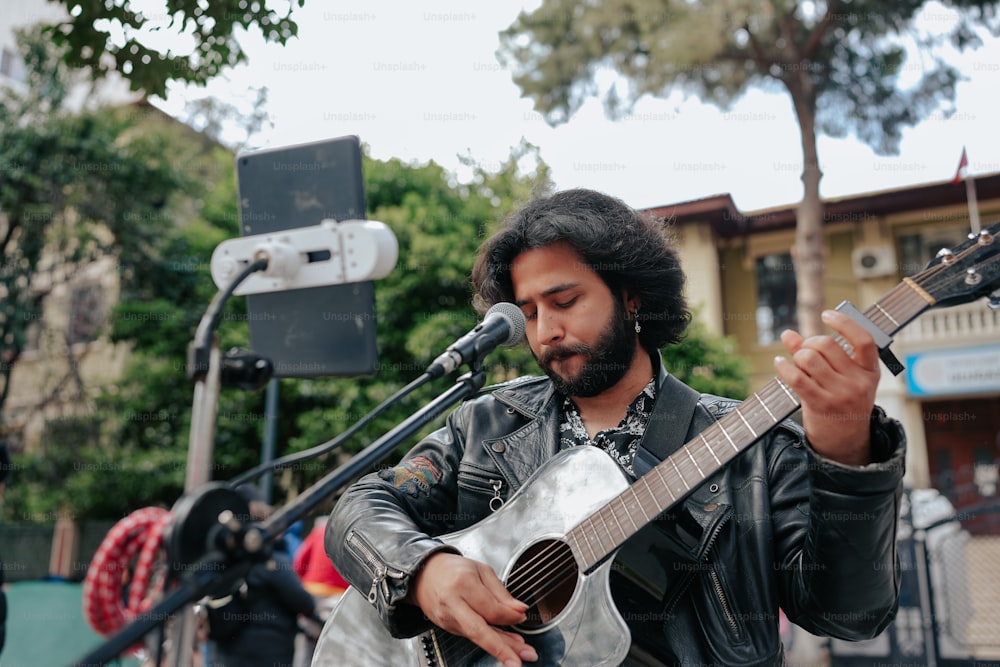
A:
(668, 426)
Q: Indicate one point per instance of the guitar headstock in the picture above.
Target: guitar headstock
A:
(965, 273)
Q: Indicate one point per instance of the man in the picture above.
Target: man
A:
(801, 521)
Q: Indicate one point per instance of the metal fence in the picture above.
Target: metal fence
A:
(949, 611)
(26, 550)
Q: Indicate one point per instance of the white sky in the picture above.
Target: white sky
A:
(421, 81)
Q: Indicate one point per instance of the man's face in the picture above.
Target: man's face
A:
(578, 331)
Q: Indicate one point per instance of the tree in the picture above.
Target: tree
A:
(104, 189)
(838, 60)
(74, 187)
(113, 36)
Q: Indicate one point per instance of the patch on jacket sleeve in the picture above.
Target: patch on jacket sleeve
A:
(413, 477)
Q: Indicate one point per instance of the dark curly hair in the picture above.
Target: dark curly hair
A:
(625, 249)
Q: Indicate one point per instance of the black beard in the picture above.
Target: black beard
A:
(606, 362)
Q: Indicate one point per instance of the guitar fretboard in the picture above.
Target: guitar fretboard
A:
(594, 538)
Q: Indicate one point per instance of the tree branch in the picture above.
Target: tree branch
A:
(759, 58)
(787, 25)
(816, 37)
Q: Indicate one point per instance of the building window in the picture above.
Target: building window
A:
(86, 314)
(776, 308)
(916, 250)
(12, 66)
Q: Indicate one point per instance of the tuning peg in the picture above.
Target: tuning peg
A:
(994, 301)
(972, 277)
(985, 238)
(946, 255)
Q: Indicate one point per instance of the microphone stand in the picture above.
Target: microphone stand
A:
(466, 386)
(212, 550)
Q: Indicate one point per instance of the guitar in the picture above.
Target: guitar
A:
(559, 560)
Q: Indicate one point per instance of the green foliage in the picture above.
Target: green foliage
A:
(707, 363)
(843, 59)
(74, 188)
(149, 411)
(112, 36)
(78, 473)
(106, 184)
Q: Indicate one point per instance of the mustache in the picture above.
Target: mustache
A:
(563, 352)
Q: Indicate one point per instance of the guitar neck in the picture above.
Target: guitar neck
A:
(597, 536)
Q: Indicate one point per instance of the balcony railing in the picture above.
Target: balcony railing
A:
(970, 323)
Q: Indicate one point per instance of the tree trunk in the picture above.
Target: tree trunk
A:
(807, 252)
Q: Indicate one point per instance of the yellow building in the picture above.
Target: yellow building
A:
(741, 277)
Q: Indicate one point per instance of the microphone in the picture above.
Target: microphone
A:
(503, 324)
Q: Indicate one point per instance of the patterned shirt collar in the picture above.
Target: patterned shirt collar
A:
(619, 442)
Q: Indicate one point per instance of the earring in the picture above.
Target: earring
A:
(635, 316)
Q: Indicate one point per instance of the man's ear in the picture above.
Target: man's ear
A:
(632, 301)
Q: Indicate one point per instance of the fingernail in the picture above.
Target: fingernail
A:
(828, 315)
(528, 653)
(778, 360)
(511, 663)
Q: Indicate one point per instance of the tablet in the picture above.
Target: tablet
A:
(317, 331)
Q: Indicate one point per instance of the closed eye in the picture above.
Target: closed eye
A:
(566, 304)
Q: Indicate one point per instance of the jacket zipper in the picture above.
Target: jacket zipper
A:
(380, 570)
(682, 588)
(497, 484)
(726, 608)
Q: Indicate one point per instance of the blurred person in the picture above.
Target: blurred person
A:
(316, 570)
(273, 603)
(804, 518)
(322, 580)
(292, 537)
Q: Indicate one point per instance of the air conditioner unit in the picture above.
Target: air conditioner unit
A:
(874, 261)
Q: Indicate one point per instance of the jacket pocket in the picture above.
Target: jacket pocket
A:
(480, 493)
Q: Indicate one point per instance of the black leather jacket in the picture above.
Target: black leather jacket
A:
(699, 585)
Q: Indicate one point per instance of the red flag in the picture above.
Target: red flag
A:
(962, 164)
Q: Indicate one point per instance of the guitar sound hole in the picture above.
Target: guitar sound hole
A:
(544, 577)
